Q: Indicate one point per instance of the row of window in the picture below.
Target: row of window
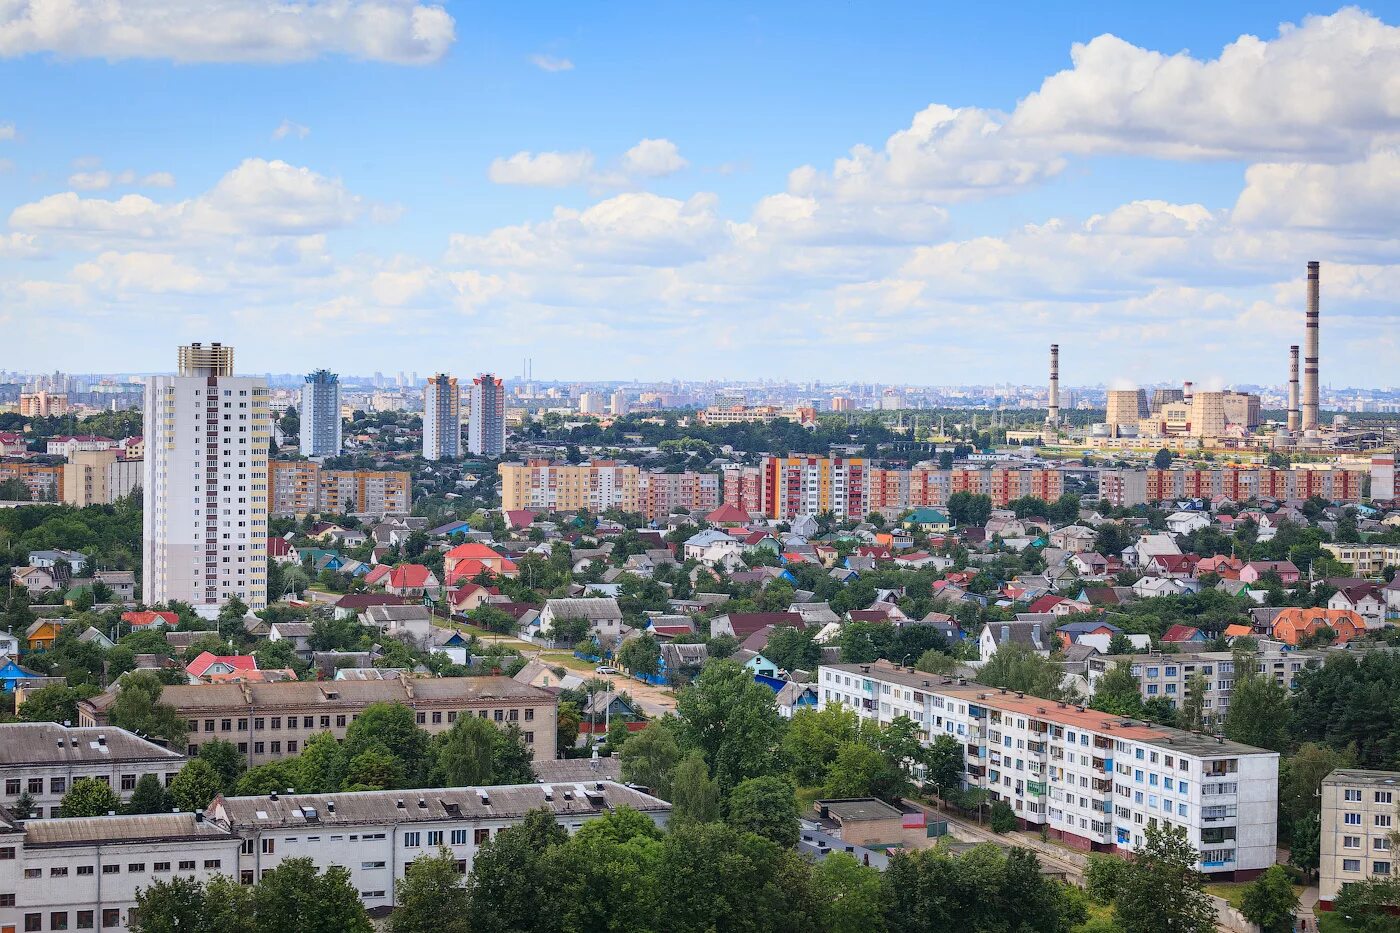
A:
(1353, 795)
(58, 919)
(1382, 820)
(1354, 865)
(272, 723)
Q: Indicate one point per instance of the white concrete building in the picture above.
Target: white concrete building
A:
(43, 759)
(204, 523)
(1359, 820)
(1089, 779)
(442, 418)
(84, 873)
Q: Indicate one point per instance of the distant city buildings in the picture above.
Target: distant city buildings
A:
(442, 418)
(204, 523)
(1359, 820)
(320, 415)
(1129, 487)
(42, 404)
(486, 429)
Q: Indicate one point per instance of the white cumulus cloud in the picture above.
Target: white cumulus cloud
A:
(653, 158)
(543, 170)
(397, 31)
(289, 128)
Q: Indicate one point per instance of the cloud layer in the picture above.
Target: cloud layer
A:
(397, 31)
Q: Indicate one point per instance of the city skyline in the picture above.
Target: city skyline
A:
(1105, 180)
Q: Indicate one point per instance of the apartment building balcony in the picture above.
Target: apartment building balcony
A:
(1036, 748)
(1102, 785)
(976, 771)
(1103, 764)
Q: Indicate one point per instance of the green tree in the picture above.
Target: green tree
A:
(1119, 643)
(374, 769)
(765, 806)
(607, 875)
(54, 703)
(966, 508)
(14, 490)
(934, 661)
(1269, 901)
(649, 757)
(232, 616)
(195, 786)
(90, 797)
(1191, 716)
(148, 797)
(464, 752)
(1162, 459)
(943, 763)
(1018, 667)
(641, 655)
(849, 895)
(1369, 905)
(432, 897)
(393, 726)
(813, 738)
(861, 770)
(173, 906)
(1103, 879)
(1300, 783)
(1161, 891)
(567, 723)
(271, 778)
(1305, 844)
(733, 722)
(1002, 818)
(1117, 691)
(293, 898)
(226, 761)
(321, 766)
(504, 889)
(138, 709)
(1259, 710)
(695, 795)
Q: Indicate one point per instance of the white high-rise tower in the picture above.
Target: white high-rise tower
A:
(320, 415)
(204, 525)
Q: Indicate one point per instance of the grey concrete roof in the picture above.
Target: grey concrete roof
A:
(35, 743)
(92, 829)
(428, 805)
(584, 608)
(856, 809)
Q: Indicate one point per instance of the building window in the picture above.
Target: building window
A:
(111, 869)
(161, 866)
(213, 863)
(84, 920)
(33, 922)
(1380, 868)
(1351, 864)
(128, 782)
(7, 900)
(58, 920)
(187, 865)
(435, 837)
(479, 836)
(84, 869)
(7, 852)
(1351, 842)
(111, 917)
(1351, 819)
(36, 785)
(1352, 796)
(421, 718)
(136, 867)
(58, 785)
(459, 837)
(529, 715)
(58, 871)
(269, 845)
(12, 787)
(245, 876)
(412, 840)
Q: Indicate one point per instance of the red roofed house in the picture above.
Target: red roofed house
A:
(470, 558)
(1287, 572)
(1293, 624)
(728, 514)
(1183, 634)
(878, 553)
(378, 575)
(1046, 603)
(410, 580)
(469, 596)
(207, 664)
(12, 444)
(520, 518)
(1238, 630)
(1222, 565)
(141, 621)
(281, 550)
(1172, 566)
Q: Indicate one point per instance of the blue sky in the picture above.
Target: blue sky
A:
(923, 193)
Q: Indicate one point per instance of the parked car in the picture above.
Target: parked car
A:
(603, 669)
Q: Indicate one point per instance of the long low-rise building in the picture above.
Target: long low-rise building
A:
(268, 721)
(1359, 821)
(544, 485)
(1169, 676)
(301, 487)
(1092, 780)
(85, 873)
(1127, 487)
(43, 759)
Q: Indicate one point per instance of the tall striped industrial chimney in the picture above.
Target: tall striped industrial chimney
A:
(1293, 415)
(1311, 404)
(1052, 409)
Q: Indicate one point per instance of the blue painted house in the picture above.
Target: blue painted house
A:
(11, 673)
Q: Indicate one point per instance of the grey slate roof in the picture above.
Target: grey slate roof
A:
(36, 743)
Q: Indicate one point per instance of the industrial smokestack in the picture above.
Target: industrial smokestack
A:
(1052, 411)
(1310, 395)
(1293, 415)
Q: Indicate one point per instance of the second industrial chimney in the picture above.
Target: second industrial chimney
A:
(1293, 416)
(1310, 393)
(1052, 409)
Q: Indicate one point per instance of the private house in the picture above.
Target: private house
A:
(468, 560)
(75, 561)
(602, 616)
(213, 665)
(1071, 632)
(1030, 634)
(755, 663)
(298, 633)
(1255, 570)
(1074, 539)
(1183, 635)
(1362, 598)
(741, 625)
(1293, 624)
(1181, 523)
(150, 619)
(929, 520)
(11, 673)
(121, 584)
(37, 580)
(41, 633)
(410, 580)
(411, 622)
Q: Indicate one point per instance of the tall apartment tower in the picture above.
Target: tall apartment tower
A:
(442, 418)
(320, 415)
(204, 522)
(486, 432)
